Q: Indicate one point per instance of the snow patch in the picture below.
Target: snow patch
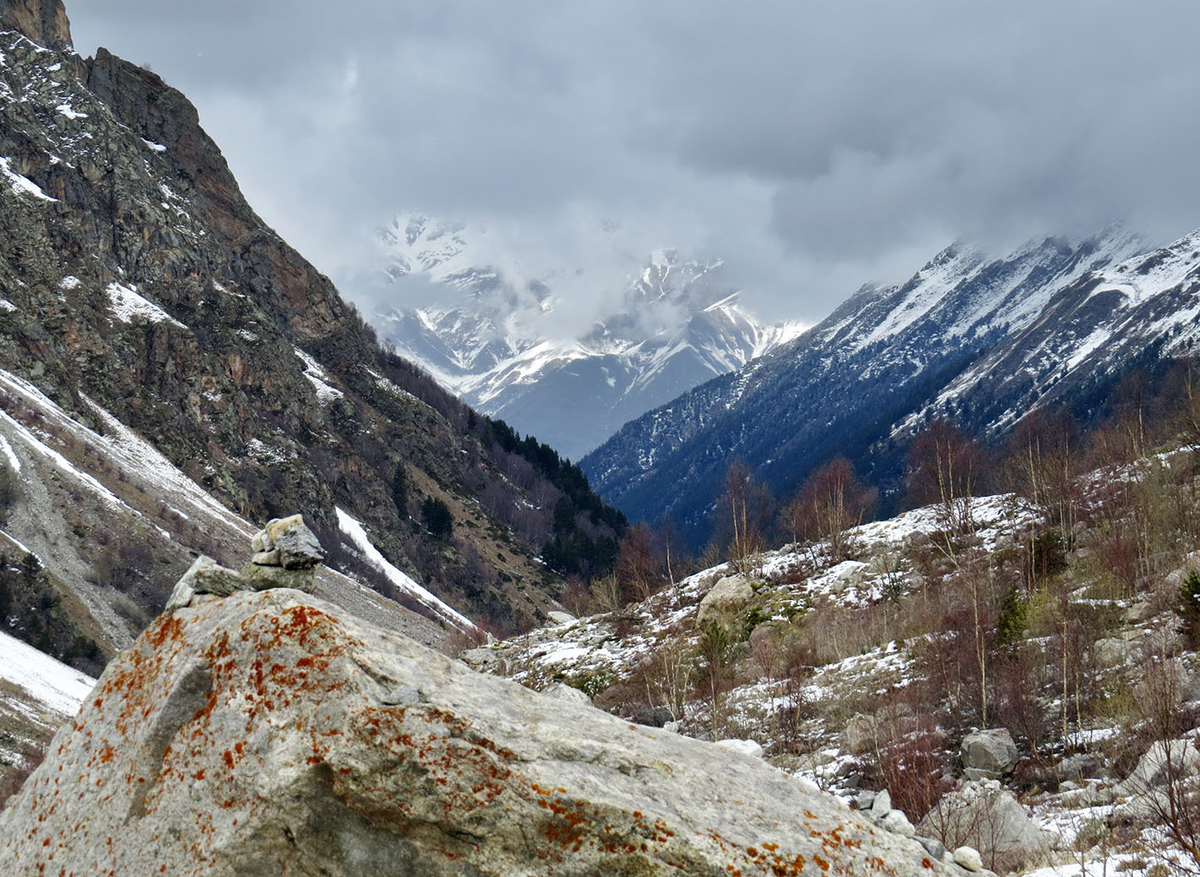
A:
(127, 306)
(154, 147)
(358, 536)
(7, 306)
(318, 378)
(59, 688)
(68, 111)
(22, 185)
(7, 450)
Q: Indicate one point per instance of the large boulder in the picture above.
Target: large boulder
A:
(1164, 762)
(988, 754)
(270, 732)
(727, 598)
(989, 819)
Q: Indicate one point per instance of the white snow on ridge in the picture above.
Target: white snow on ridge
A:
(52, 683)
(135, 453)
(127, 305)
(22, 185)
(318, 378)
(358, 535)
(10, 454)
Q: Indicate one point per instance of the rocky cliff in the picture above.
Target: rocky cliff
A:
(149, 316)
(271, 732)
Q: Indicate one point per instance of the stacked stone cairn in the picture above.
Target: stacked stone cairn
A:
(286, 555)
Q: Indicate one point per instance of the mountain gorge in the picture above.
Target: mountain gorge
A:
(173, 374)
(497, 341)
(976, 340)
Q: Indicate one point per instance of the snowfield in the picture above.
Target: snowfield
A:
(54, 685)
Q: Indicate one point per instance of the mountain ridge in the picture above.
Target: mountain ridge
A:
(495, 336)
(879, 358)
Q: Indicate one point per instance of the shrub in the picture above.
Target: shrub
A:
(438, 520)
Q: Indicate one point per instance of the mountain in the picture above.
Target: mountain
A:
(493, 336)
(980, 340)
(173, 375)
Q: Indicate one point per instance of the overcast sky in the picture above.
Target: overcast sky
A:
(813, 145)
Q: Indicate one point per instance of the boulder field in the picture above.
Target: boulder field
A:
(269, 732)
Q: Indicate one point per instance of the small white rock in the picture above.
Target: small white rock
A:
(969, 858)
(898, 823)
(746, 747)
(882, 805)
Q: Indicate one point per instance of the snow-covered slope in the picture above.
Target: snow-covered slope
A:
(494, 334)
(48, 683)
(845, 385)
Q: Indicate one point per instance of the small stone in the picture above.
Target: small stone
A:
(969, 858)
(654, 717)
(562, 691)
(898, 823)
(933, 846)
(864, 799)
(297, 546)
(746, 747)
(266, 558)
(204, 576)
(882, 805)
(401, 695)
(555, 617)
(262, 578)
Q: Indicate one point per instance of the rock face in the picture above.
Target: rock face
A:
(43, 21)
(143, 299)
(270, 732)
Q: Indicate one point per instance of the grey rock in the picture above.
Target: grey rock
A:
(864, 799)
(746, 747)
(263, 744)
(988, 818)
(556, 617)
(991, 751)
(655, 717)
(267, 558)
(298, 548)
(968, 858)
(204, 576)
(728, 596)
(564, 692)
(1113, 651)
(882, 805)
(1081, 766)
(261, 578)
(1162, 761)
(933, 846)
(858, 736)
(898, 823)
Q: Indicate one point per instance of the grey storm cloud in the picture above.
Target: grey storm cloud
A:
(814, 145)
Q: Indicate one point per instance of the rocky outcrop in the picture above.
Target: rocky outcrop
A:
(728, 596)
(43, 21)
(271, 732)
(988, 754)
(286, 554)
(990, 820)
(139, 290)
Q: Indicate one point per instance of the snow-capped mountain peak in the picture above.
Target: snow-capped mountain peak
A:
(490, 331)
